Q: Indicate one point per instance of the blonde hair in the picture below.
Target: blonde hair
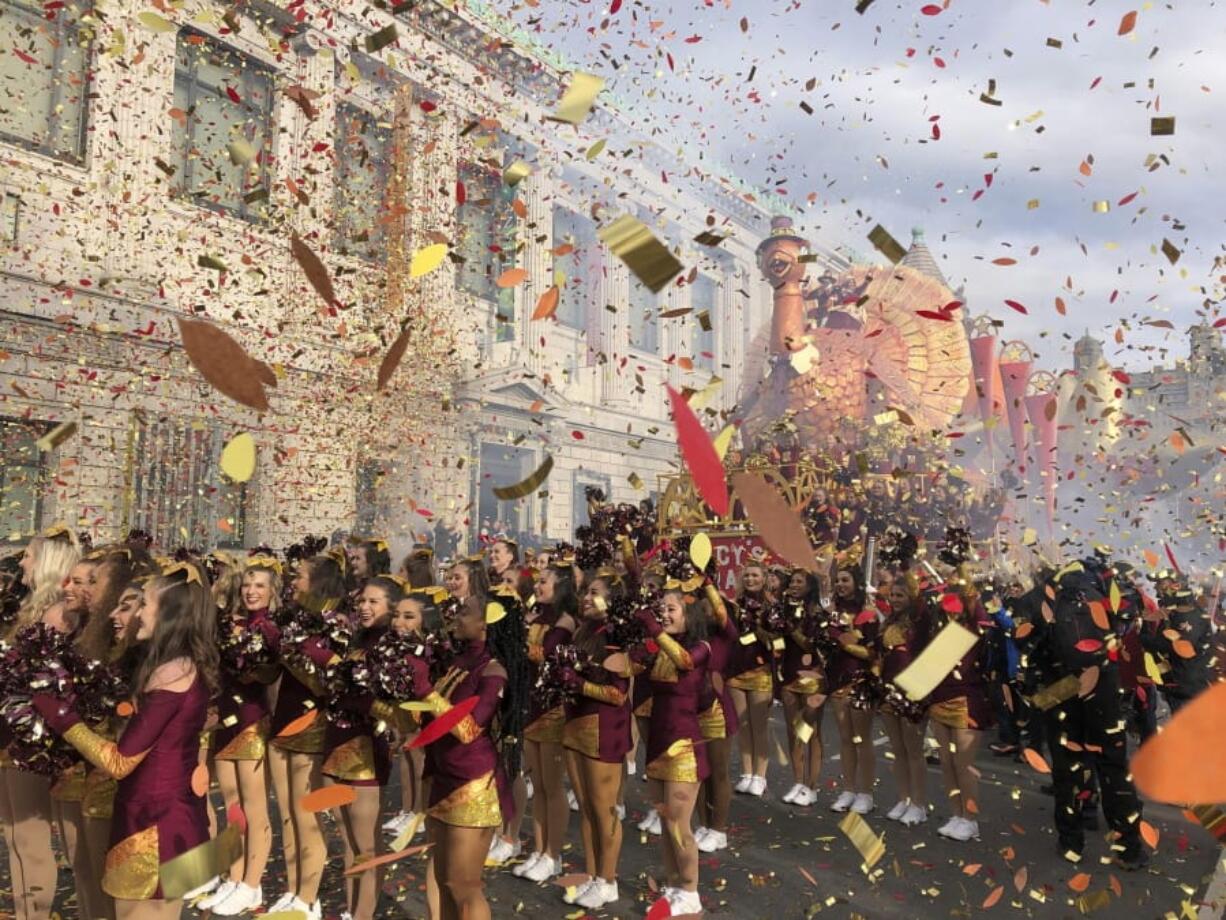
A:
(54, 558)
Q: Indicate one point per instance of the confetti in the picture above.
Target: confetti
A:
(526, 486)
(427, 260)
(651, 261)
(238, 458)
(870, 846)
(327, 797)
(886, 244)
(511, 277)
(383, 859)
(776, 521)
(939, 657)
(316, 273)
(579, 98)
(1186, 761)
(699, 455)
(444, 723)
(1162, 126)
(193, 868)
(391, 360)
(56, 436)
(224, 364)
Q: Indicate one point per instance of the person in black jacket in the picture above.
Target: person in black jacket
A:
(1068, 643)
(1183, 639)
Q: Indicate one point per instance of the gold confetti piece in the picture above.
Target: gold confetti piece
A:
(709, 238)
(238, 457)
(1102, 207)
(241, 152)
(56, 436)
(802, 729)
(579, 98)
(886, 244)
(635, 481)
(516, 173)
(1054, 43)
(1162, 126)
(208, 261)
(380, 39)
(427, 260)
(199, 864)
(650, 260)
(155, 23)
(494, 612)
(526, 486)
(1054, 694)
(1089, 903)
(595, 150)
(1030, 536)
(1032, 204)
(940, 657)
(724, 440)
(1168, 249)
(870, 846)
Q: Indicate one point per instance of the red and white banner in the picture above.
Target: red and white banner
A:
(731, 553)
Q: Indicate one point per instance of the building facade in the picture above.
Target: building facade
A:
(188, 162)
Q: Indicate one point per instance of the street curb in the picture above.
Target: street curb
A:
(1215, 893)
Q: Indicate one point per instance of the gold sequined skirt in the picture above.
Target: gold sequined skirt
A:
(756, 681)
(353, 761)
(582, 734)
(131, 869)
(953, 713)
(248, 744)
(711, 722)
(475, 804)
(676, 765)
(548, 728)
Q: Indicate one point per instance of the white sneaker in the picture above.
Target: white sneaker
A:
(397, 823)
(242, 898)
(572, 800)
(699, 834)
(916, 814)
(946, 829)
(544, 869)
(863, 803)
(713, 841)
(790, 795)
(645, 824)
(502, 850)
(572, 895)
(843, 802)
(204, 889)
(528, 790)
(651, 823)
(684, 902)
(742, 784)
(964, 830)
(621, 812)
(757, 786)
(598, 894)
(805, 797)
(220, 893)
(527, 864)
(282, 903)
(291, 903)
(896, 813)
(631, 768)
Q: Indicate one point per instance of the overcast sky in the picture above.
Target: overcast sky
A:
(867, 154)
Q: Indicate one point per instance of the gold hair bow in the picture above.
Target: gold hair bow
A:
(399, 580)
(193, 573)
(55, 531)
(264, 562)
(106, 552)
(337, 554)
(378, 543)
(689, 584)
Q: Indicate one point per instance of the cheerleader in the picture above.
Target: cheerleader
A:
(248, 640)
(676, 757)
(157, 815)
(718, 720)
(25, 798)
(960, 710)
(899, 640)
(750, 685)
(596, 737)
(295, 754)
(504, 562)
(468, 766)
(368, 558)
(417, 569)
(553, 624)
(802, 685)
(641, 661)
(849, 634)
(359, 754)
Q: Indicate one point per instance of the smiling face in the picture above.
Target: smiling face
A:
(546, 586)
(408, 616)
(501, 557)
(456, 582)
(77, 588)
(672, 613)
(899, 599)
(595, 605)
(257, 590)
(753, 578)
(302, 582)
(373, 607)
(127, 609)
(844, 584)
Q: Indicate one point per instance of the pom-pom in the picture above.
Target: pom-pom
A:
(897, 547)
(957, 547)
(391, 676)
(245, 652)
(550, 690)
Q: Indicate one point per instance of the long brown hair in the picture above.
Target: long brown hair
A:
(590, 635)
(121, 563)
(186, 628)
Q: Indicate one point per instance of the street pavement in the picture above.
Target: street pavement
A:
(785, 862)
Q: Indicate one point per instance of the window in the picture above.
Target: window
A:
(222, 126)
(581, 481)
(643, 321)
(178, 492)
(704, 299)
(363, 163)
(501, 466)
(23, 478)
(578, 263)
(44, 78)
(486, 230)
(370, 476)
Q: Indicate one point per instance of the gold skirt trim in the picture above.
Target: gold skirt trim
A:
(644, 708)
(711, 723)
(353, 761)
(548, 728)
(69, 786)
(807, 686)
(249, 744)
(758, 680)
(99, 801)
(583, 735)
(475, 804)
(676, 765)
(309, 741)
(953, 713)
(131, 870)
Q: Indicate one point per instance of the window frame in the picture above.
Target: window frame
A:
(63, 32)
(374, 248)
(37, 428)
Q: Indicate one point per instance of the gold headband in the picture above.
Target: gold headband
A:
(55, 531)
(193, 573)
(423, 552)
(264, 562)
(378, 543)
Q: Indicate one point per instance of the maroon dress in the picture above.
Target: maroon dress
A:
(849, 667)
(357, 755)
(897, 644)
(544, 636)
(717, 714)
(675, 752)
(242, 706)
(468, 786)
(961, 700)
(598, 718)
(801, 667)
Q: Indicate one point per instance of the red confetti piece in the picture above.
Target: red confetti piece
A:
(699, 454)
(25, 57)
(1017, 306)
(935, 314)
(615, 6)
(1121, 377)
(444, 723)
(659, 910)
(577, 435)
(1128, 23)
(1127, 199)
(931, 10)
(1004, 261)
(461, 193)
(1088, 645)
(234, 96)
(427, 106)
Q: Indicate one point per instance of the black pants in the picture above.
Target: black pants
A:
(1096, 722)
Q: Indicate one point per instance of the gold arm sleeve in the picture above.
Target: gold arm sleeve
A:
(716, 600)
(102, 753)
(672, 648)
(603, 693)
(859, 651)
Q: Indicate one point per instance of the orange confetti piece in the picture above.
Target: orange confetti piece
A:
(512, 277)
(125, 710)
(1186, 762)
(1004, 261)
(385, 858)
(1036, 761)
(1116, 888)
(1183, 648)
(1098, 613)
(1019, 878)
(1079, 882)
(810, 879)
(1128, 22)
(1151, 558)
(328, 797)
(1149, 834)
(299, 725)
(996, 895)
(547, 304)
(200, 781)
(972, 868)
